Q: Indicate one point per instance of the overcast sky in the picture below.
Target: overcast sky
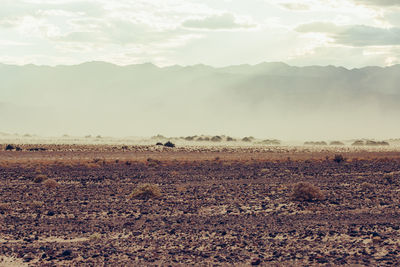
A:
(350, 33)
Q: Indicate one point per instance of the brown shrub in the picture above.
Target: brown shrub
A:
(39, 178)
(37, 204)
(389, 178)
(367, 186)
(304, 191)
(146, 191)
(50, 183)
(339, 158)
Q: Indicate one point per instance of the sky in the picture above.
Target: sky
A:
(349, 33)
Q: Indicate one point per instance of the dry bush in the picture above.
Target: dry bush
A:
(146, 191)
(339, 158)
(169, 144)
(389, 178)
(39, 178)
(153, 162)
(304, 191)
(367, 186)
(50, 183)
(37, 204)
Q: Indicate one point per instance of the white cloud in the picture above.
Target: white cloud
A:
(217, 22)
(354, 35)
(194, 31)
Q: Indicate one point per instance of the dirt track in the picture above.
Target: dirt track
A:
(233, 209)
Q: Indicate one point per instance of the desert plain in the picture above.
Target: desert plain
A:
(73, 205)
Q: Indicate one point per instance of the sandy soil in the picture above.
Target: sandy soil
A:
(219, 206)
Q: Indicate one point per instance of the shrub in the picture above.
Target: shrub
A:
(146, 191)
(358, 143)
(339, 158)
(10, 147)
(389, 178)
(367, 186)
(39, 178)
(336, 143)
(169, 144)
(37, 204)
(50, 183)
(304, 191)
(216, 138)
(271, 142)
(153, 162)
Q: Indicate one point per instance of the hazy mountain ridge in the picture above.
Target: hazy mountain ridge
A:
(201, 98)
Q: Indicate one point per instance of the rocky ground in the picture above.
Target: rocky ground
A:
(214, 209)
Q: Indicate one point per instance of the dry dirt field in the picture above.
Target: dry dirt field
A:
(218, 206)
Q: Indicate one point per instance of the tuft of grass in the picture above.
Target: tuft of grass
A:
(50, 183)
(146, 191)
(39, 178)
(304, 191)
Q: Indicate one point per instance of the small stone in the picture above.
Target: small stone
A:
(28, 257)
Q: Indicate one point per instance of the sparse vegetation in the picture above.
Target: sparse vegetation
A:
(37, 204)
(50, 183)
(169, 144)
(10, 147)
(389, 178)
(367, 186)
(271, 142)
(39, 178)
(146, 191)
(247, 139)
(216, 138)
(358, 143)
(376, 143)
(153, 162)
(318, 143)
(339, 158)
(304, 191)
(336, 143)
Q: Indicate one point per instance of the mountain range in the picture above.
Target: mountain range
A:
(267, 100)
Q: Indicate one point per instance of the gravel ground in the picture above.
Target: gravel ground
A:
(216, 208)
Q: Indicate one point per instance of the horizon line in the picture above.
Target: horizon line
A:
(196, 65)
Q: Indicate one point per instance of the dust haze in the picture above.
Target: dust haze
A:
(268, 100)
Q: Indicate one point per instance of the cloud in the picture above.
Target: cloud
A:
(378, 2)
(354, 35)
(216, 22)
(295, 6)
